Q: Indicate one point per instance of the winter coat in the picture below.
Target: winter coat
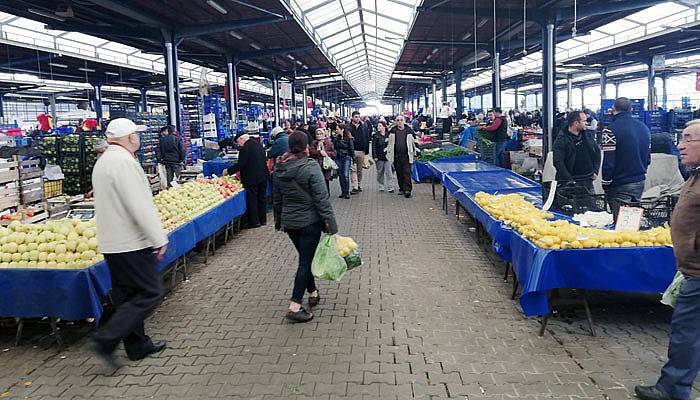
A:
(343, 147)
(300, 197)
(379, 143)
(626, 150)
(410, 144)
(316, 155)
(280, 145)
(565, 154)
(171, 150)
(251, 163)
(361, 136)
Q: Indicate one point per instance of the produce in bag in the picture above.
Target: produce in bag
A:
(670, 296)
(349, 251)
(328, 264)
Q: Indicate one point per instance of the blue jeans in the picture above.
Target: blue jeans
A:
(344, 174)
(623, 194)
(683, 364)
(305, 241)
(500, 154)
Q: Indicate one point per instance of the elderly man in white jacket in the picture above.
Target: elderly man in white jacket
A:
(132, 239)
(401, 150)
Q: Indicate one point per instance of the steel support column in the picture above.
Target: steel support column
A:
(435, 109)
(173, 84)
(293, 102)
(305, 110)
(604, 83)
(459, 94)
(2, 106)
(97, 103)
(583, 99)
(444, 88)
(651, 75)
(144, 100)
(517, 106)
(427, 93)
(496, 80)
(276, 97)
(232, 83)
(52, 108)
(569, 92)
(548, 88)
(664, 91)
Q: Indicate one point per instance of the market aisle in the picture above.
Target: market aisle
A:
(428, 315)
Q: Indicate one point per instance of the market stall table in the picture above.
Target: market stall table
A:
(440, 168)
(483, 181)
(215, 167)
(420, 171)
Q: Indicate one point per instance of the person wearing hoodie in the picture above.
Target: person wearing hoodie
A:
(379, 142)
(344, 153)
(302, 209)
(280, 144)
(320, 148)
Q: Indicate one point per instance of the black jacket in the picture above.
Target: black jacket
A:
(251, 163)
(360, 136)
(300, 197)
(379, 143)
(171, 150)
(343, 148)
(565, 155)
(627, 149)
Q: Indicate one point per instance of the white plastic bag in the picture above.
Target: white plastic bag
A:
(329, 164)
(163, 176)
(670, 296)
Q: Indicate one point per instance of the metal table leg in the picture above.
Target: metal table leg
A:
(432, 181)
(589, 316)
(54, 327)
(515, 286)
(507, 272)
(20, 328)
(545, 318)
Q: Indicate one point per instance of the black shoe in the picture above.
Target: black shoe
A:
(401, 193)
(342, 196)
(156, 347)
(314, 300)
(300, 316)
(408, 195)
(359, 189)
(354, 191)
(650, 393)
(391, 190)
(106, 356)
(347, 196)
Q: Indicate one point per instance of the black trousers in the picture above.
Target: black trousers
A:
(305, 240)
(256, 210)
(403, 174)
(137, 289)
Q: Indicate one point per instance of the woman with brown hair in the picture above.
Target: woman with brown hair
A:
(321, 148)
(345, 150)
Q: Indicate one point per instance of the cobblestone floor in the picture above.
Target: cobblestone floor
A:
(427, 316)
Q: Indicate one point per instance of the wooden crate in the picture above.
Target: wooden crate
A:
(9, 171)
(9, 197)
(32, 190)
(29, 169)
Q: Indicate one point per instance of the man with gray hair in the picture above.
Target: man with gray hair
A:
(683, 364)
(252, 165)
(626, 156)
(131, 237)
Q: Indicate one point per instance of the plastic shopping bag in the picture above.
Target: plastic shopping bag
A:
(349, 250)
(163, 176)
(671, 294)
(329, 164)
(327, 263)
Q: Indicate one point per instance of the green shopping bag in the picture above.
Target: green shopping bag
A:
(670, 296)
(327, 263)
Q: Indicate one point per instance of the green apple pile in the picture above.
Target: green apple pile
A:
(185, 202)
(58, 244)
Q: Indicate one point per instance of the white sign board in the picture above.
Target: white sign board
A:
(285, 90)
(629, 219)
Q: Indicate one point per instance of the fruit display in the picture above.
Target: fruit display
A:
(57, 244)
(49, 145)
(147, 154)
(434, 154)
(538, 226)
(180, 204)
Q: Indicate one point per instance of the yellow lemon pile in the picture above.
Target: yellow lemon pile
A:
(345, 245)
(536, 225)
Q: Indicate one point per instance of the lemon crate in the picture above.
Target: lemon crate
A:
(53, 188)
(9, 184)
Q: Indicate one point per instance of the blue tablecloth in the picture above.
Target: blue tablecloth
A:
(476, 181)
(439, 169)
(215, 167)
(421, 172)
(76, 294)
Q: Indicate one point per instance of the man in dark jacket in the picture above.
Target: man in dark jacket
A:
(576, 154)
(171, 153)
(679, 373)
(280, 144)
(253, 168)
(497, 132)
(626, 156)
(358, 130)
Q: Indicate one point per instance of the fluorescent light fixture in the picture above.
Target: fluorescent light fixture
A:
(217, 6)
(58, 65)
(46, 14)
(299, 62)
(111, 73)
(687, 40)
(435, 50)
(236, 35)
(466, 36)
(657, 47)
(86, 69)
(631, 53)
(291, 57)
(255, 46)
(482, 22)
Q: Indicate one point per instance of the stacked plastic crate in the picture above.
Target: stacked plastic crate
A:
(656, 121)
(149, 139)
(216, 106)
(69, 161)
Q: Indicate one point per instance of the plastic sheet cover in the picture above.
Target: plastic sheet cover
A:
(421, 172)
(215, 167)
(499, 179)
(76, 294)
(439, 169)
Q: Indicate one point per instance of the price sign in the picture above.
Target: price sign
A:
(629, 219)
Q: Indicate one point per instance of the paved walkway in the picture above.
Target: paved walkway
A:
(427, 316)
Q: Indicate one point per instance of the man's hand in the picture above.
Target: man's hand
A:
(160, 252)
(594, 177)
(225, 172)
